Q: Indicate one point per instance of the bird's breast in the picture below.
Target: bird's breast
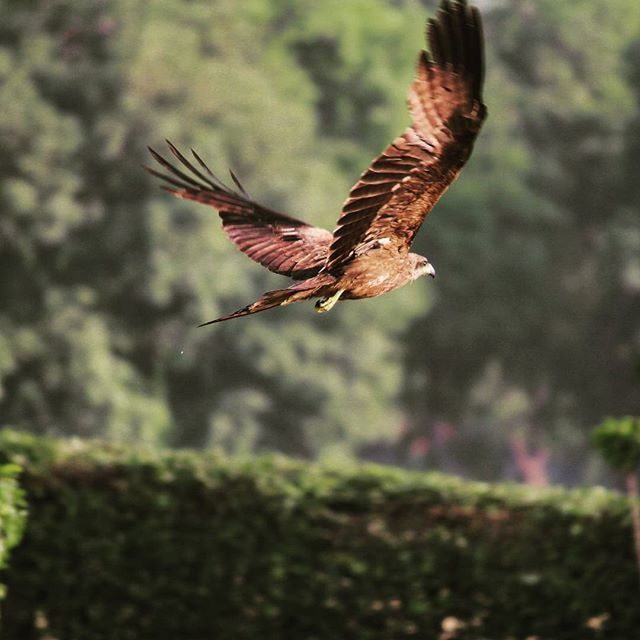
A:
(374, 274)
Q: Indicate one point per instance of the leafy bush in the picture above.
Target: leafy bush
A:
(134, 545)
(12, 514)
(618, 440)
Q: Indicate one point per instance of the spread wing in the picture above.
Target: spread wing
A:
(282, 244)
(392, 198)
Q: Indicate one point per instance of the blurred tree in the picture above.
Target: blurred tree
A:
(68, 253)
(531, 331)
(320, 384)
(109, 279)
(538, 237)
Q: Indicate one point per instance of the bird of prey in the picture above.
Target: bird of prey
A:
(368, 252)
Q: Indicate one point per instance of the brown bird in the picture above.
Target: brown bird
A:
(368, 253)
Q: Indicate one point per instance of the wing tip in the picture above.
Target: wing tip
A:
(241, 313)
(455, 38)
(206, 324)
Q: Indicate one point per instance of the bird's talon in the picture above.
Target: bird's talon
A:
(326, 304)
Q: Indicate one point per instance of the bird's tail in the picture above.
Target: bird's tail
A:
(297, 292)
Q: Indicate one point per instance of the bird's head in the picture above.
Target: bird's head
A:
(421, 266)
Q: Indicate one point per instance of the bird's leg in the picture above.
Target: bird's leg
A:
(326, 304)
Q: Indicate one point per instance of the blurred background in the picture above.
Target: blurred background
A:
(499, 369)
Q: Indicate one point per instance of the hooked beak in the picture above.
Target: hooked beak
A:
(430, 271)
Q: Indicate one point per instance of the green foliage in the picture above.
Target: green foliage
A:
(540, 239)
(109, 276)
(12, 515)
(130, 545)
(103, 277)
(25, 449)
(618, 440)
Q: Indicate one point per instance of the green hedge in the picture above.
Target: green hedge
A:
(179, 546)
(12, 514)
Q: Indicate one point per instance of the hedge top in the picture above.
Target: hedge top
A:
(275, 474)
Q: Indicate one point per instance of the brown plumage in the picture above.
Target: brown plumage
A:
(368, 253)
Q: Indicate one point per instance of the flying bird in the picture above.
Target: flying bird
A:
(368, 252)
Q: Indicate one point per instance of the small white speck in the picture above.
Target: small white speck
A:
(182, 352)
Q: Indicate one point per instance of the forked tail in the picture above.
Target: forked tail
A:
(280, 297)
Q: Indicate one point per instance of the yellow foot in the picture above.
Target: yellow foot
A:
(326, 304)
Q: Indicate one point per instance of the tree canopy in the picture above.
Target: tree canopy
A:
(529, 334)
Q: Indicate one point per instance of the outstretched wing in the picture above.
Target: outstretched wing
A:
(282, 244)
(392, 198)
